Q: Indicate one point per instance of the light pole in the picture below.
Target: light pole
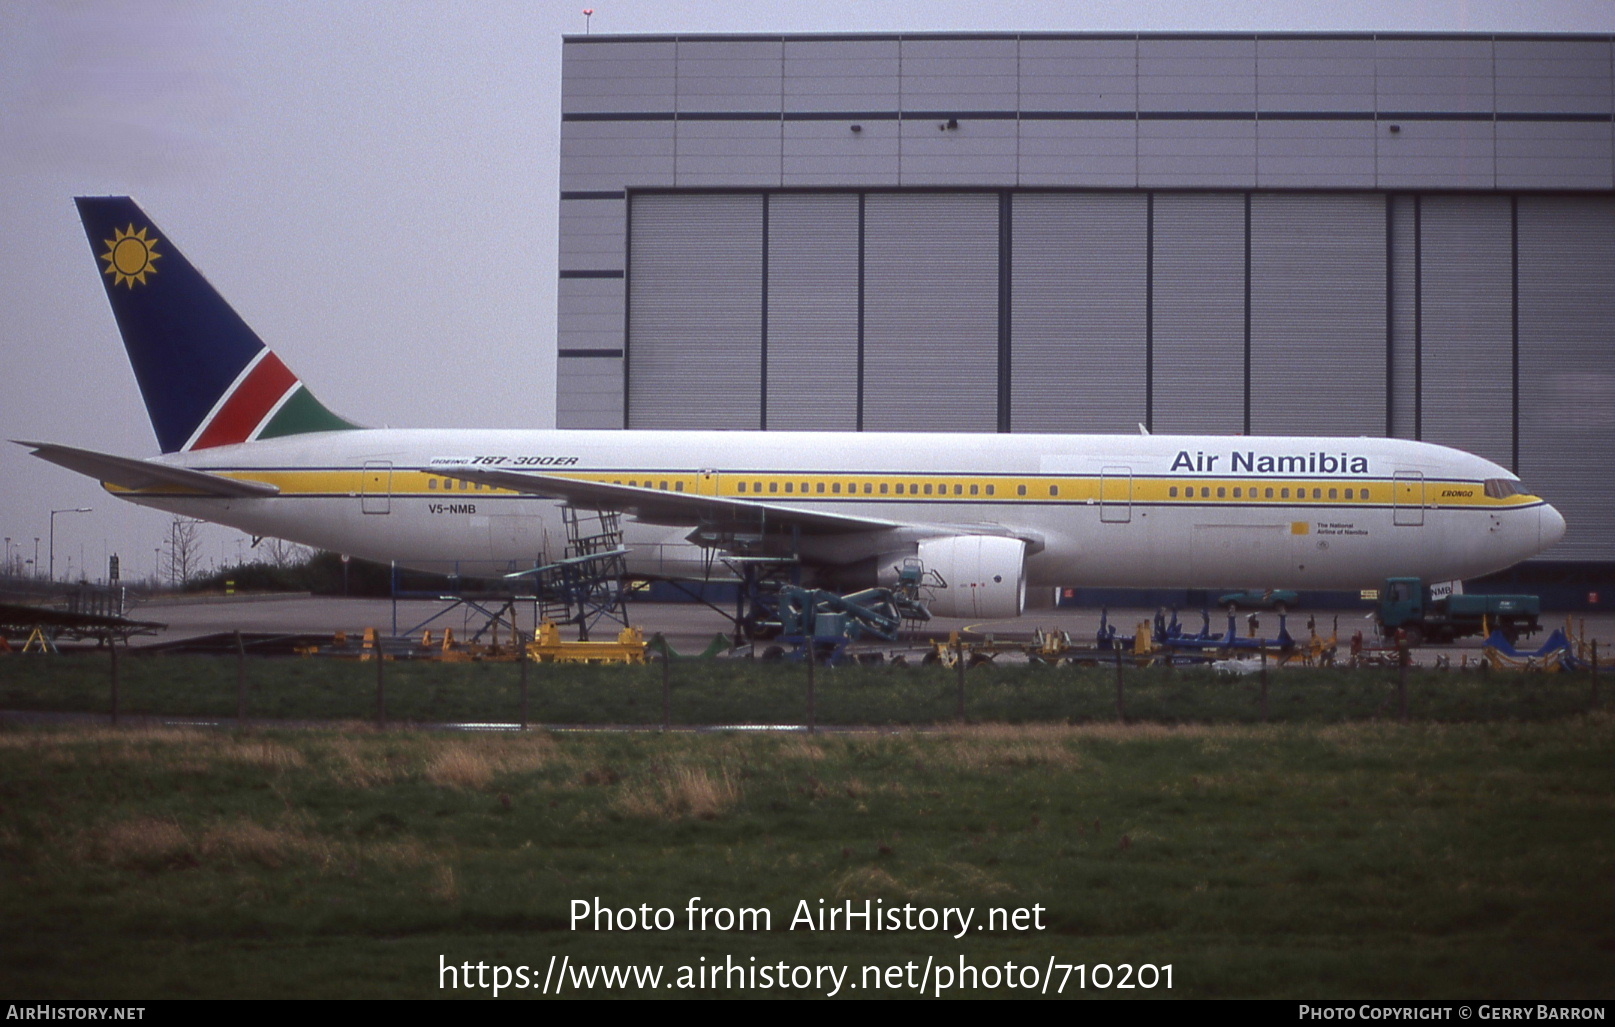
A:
(35, 575)
(53, 513)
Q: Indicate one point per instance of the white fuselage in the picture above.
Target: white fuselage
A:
(1096, 510)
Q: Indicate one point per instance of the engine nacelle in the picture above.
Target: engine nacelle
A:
(985, 575)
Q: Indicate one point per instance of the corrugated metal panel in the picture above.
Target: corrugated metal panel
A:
(728, 153)
(731, 75)
(1199, 306)
(829, 153)
(1079, 153)
(695, 311)
(1317, 314)
(1078, 75)
(1429, 75)
(1078, 312)
(813, 311)
(842, 74)
(977, 152)
(1315, 74)
(1404, 329)
(1326, 154)
(1567, 380)
(1193, 153)
(1468, 381)
(1438, 155)
(931, 312)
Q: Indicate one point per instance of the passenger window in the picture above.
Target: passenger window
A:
(867, 487)
(742, 486)
(464, 484)
(1020, 490)
(973, 489)
(431, 483)
(1222, 493)
(1236, 492)
(678, 486)
(928, 488)
(989, 490)
(835, 488)
(1269, 494)
(958, 490)
(1205, 493)
(820, 488)
(1331, 493)
(1054, 490)
(1172, 492)
(1284, 493)
(773, 486)
(883, 488)
(663, 486)
(1317, 493)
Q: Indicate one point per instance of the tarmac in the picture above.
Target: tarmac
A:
(689, 627)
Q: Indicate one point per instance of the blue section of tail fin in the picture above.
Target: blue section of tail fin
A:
(186, 344)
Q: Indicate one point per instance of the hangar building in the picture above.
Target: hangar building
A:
(1406, 235)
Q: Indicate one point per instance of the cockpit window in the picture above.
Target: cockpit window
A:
(1502, 488)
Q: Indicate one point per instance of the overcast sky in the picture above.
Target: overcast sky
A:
(374, 188)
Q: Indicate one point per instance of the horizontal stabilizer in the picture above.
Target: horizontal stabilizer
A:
(143, 475)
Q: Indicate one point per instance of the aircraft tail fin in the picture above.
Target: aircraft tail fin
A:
(206, 377)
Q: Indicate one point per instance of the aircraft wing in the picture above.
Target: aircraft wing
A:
(654, 506)
(143, 475)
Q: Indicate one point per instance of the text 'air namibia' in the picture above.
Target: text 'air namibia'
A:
(245, 443)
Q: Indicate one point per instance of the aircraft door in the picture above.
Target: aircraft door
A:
(376, 487)
(1116, 495)
(1408, 498)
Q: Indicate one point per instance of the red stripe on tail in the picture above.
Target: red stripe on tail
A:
(249, 404)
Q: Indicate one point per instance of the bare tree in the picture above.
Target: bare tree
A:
(184, 549)
(280, 553)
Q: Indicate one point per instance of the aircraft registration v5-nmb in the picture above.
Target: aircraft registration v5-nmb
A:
(245, 443)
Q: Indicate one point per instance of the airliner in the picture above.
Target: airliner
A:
(245, 443)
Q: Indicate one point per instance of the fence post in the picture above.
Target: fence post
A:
(667, 688)
(1264, 683)
(381, 684)
(1121, 707)
(112, 650)
(1595, 673)
(1402, 657)
(812, 699)
(960, 664)
(521, 658)
(241, 680)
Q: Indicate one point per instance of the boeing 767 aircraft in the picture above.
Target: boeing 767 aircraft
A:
(245, 443)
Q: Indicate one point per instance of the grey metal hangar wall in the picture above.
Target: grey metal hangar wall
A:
(1344, 234)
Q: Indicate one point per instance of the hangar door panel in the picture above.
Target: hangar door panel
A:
(1317, 314)
(1466, 389)
(1077, 298)
(695, 295)
(813, 311)
(1567, 389)
(931, 312)
(1199, 312)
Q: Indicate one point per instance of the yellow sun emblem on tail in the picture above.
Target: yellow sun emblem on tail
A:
(129, 256)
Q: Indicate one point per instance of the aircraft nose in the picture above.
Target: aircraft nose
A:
(1550, 526)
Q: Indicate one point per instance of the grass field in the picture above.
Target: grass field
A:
(1334, 852)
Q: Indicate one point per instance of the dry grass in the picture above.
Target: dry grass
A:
(459, 766)
(673, 793)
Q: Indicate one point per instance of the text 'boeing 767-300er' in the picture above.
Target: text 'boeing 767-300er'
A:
(245, 443)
